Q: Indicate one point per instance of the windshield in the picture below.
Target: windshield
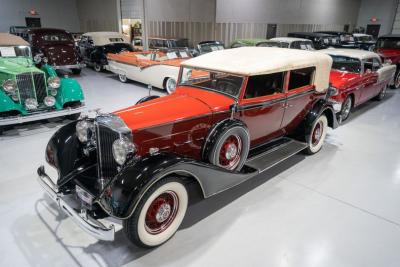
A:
(15, 51)
(273, 44)
(349, 64)
(388, 43)
(206, 48)
(57, 37)
(220, 82)
(161, 56)
(346, 38)
(364, 39)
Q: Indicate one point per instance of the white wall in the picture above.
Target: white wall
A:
(98, 15)
(53, 13)
(288, 11)
(383, 10)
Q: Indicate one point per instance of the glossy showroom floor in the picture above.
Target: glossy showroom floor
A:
(338, 208)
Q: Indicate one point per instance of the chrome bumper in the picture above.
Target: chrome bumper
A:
(39, 116)
(85, 221)
(74, 66)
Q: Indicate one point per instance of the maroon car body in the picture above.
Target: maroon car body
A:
(56, 46)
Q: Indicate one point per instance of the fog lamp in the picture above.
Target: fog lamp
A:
(31, 104)
(53, 92)
(49, 101)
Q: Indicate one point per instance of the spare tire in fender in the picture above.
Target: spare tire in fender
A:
(147, 98)
(230, 147)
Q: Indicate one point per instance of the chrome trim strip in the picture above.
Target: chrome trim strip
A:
(74, 66)
(82, 219)
(40, 116)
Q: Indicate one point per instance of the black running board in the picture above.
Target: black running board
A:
(275, 155)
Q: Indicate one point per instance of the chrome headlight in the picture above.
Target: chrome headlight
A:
(10, 86)
(37, 58)
(54, 82)
(121, 148)
(84, 129)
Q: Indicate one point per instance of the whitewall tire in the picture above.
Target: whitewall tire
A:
(317, 135)
(170, 85)
(97, 67)
(122, 78)
(159, 213)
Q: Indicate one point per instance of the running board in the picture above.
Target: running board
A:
(275, 155)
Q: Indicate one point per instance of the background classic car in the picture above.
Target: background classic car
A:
(364, 41)
(246, 42)
(358, 76)
(346, 40)
(55, 47)
(154, 68)
(28, 93)
(288, 42)
(94, 47)
(207, 47)
(250, 108)
(388, 47)
(320, 40)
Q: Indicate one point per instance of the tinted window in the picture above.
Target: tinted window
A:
(368, 65)
(263, 85)
(343, 63)
(388, 43)
(301, 77)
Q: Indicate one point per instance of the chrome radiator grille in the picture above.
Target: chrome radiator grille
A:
(32, 85)
(25, 86)
(107, 167)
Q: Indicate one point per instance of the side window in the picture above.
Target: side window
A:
(295, 45)
(301, 77)
(368, 65)
(264, 85)
(376, 64)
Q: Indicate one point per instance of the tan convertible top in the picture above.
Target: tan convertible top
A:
(11, 39)
(104, 38)
(248, 61)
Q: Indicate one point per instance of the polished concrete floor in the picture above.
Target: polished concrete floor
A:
(338, 208)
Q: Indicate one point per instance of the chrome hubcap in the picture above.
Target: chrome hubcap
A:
(231, 151)
(163, 213)
(171, 84)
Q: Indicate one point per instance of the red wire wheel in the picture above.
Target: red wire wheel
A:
(161, 212)
(229, 155)
(317, 133)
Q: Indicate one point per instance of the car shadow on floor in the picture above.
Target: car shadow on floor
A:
(156, 90)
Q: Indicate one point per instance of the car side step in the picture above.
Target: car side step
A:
(275, 155)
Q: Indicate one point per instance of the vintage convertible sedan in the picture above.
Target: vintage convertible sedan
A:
(235, 114)
(94, 46)
(28, 93)
(153, 68)
(357, 77)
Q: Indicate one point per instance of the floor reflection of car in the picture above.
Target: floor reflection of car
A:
(208, 46)
(236, 113)
(155, 68)
(288, 42)
(94, 47)
(320, 40)
(55, 47)
(364, 41)
(357, 77)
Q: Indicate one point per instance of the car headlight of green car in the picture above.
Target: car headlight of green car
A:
(54, 82)
(10, 86)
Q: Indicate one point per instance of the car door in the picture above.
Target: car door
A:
(299, 95)
(370, 80)
(262, 106)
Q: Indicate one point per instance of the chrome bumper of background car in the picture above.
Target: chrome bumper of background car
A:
(337, 106)
(85, 221)
(39, 116)
(75, 66)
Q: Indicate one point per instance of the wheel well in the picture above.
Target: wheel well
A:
(73, 104)
(192, 184)
(329, 115)
(352, 99)
(165, 82)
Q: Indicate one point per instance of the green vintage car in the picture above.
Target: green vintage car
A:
(28, 93)
(246, 42)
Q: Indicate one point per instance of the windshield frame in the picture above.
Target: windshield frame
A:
(26, 46)
(243, 83)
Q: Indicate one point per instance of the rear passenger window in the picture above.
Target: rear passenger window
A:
(301, 77)
(264, 85)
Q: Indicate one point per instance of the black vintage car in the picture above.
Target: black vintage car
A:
(205, 47)
(346, 40)
(94, 46)
(166, 44)
(364, 41)
(320, 40)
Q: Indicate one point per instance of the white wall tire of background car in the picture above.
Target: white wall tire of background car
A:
(317, 135)
(97, 67)
(150, 228)
(396, 84)
(170, 85)
(346, 108)
(122, 78)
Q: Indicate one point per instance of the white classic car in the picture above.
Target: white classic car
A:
(288, 42)
(153, 68)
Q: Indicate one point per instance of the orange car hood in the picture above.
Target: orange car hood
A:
(185, 103)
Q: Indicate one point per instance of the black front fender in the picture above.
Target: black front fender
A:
(137, 176)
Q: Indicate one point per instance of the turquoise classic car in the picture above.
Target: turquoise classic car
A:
(28, 93)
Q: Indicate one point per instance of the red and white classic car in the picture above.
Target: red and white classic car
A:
(357, 76)
(388, 47)
(153, 68)
(235, 114)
